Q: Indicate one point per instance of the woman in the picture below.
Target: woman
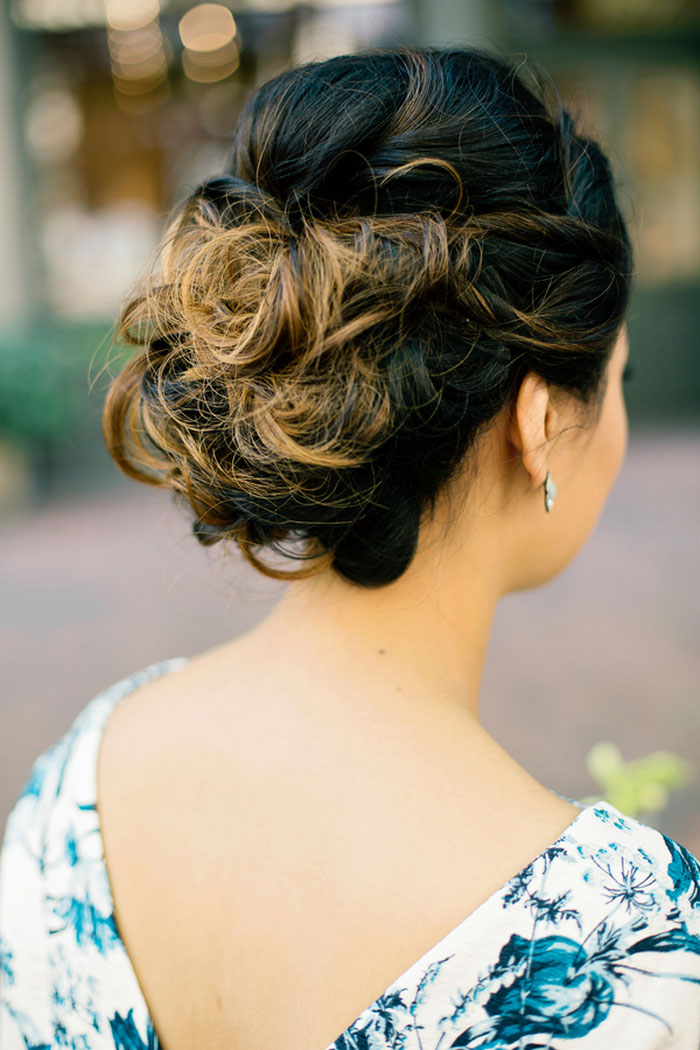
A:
(389, 344)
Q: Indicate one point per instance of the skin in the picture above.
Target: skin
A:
(301, 813)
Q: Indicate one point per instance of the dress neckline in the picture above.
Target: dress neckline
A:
(107, 702)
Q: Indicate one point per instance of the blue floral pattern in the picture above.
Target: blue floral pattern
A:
(594, 945)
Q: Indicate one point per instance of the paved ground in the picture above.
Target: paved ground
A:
(98, 586)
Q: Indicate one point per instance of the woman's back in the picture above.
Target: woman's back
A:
(325, 848)
(286, 867)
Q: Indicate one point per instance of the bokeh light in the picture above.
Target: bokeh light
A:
(138, 52)
(208, 32)
(207, 27)
(131, 14)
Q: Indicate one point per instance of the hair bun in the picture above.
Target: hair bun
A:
(324, 344)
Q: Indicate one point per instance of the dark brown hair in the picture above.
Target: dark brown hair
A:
(401, 236)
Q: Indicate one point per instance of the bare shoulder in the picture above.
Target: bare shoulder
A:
(173, 803)
(178, 749)
(252, 844)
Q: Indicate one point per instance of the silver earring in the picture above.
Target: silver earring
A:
(550, 492)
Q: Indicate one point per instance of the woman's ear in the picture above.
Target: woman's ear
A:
(532, 426)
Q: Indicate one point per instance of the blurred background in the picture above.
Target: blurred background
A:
(109, 111)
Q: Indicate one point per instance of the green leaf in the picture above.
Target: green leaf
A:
(641, 785)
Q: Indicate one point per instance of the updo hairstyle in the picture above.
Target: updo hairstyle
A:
(400, 237)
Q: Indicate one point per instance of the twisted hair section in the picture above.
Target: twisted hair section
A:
(401, 236)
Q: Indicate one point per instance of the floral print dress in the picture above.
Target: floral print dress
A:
(595, 945)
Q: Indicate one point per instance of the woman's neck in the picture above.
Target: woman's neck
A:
(425, 636)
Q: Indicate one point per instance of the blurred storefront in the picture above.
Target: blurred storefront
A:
(111, 109)
(126, 103)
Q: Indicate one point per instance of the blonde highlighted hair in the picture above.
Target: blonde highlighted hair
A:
(401, 236)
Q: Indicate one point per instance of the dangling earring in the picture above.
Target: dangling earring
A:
(550, 491)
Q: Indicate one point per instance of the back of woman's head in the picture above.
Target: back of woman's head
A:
(401, 237)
